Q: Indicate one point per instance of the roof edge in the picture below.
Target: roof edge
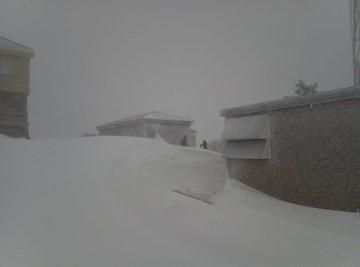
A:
(116, 124)
(141, 118)
(292, 102)
(26, 52)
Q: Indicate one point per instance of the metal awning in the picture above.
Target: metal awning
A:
(249, 127)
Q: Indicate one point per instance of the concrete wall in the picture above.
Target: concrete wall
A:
(315, 157)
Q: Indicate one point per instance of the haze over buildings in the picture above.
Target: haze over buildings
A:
(100, 60)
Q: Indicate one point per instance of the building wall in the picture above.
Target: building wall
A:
(18, 81)
(136, 130)
(19, 130)
(315, 157)
(192, 140)
(171, 133)
(13, 114)
(14, 89)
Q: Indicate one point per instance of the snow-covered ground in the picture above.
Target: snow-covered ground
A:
(108, 201)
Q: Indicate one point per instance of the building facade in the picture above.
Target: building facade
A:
(14, 88)
(154, 125)
(304, 150)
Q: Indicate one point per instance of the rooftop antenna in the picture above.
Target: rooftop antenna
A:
(355, 29)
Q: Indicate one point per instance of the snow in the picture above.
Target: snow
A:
(109, 201)
(159, 137)
(3, 136)
(156, 115)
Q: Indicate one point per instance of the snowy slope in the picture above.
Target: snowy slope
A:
(108, 201)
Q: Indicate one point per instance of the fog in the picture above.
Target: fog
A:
(98, 61)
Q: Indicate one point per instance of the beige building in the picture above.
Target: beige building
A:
(14, 88)
(154, 125)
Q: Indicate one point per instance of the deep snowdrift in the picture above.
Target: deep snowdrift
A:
(108, 201)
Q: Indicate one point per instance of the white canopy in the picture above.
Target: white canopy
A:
(249, 127)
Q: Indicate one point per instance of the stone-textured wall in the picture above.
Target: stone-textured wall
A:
(315, 157)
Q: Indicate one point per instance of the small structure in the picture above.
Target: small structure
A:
(304, 150)
(155, 125)
(14, 88)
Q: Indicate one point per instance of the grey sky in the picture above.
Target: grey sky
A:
(98, 61)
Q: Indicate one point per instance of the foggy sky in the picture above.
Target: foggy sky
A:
(98, 61)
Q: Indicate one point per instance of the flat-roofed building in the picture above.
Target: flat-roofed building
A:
(155, 125)
(304, 150)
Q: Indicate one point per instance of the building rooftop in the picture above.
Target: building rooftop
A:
(150, 116)
(9, 47)
(294, 101)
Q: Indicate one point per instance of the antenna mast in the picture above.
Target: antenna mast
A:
(355, 29)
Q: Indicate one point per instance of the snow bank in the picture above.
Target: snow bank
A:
(108, 201)
(4, 136)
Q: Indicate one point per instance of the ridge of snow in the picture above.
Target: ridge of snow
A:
(108, 201)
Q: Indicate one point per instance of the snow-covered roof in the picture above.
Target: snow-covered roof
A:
(9, 47)
(295, 101)
(150, 116)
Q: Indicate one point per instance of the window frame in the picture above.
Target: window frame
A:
(6, 67)
(247, 137)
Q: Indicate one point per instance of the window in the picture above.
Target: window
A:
(249, 127)
(247, 137)
(6, 67)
